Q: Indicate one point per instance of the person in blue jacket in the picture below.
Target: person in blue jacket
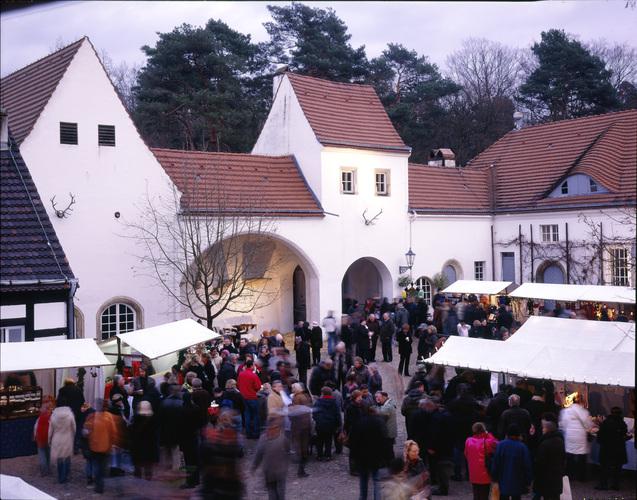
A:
(512, 467)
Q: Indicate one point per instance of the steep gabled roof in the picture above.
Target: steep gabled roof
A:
(346, 114)
(29, 247)
(528, 163)
(448, 189)
(239, 183)
(26, 92)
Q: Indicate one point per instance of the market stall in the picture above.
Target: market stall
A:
(478, 287)
(20, 399)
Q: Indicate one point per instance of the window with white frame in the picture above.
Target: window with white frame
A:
(382, 182)
(550, 233)
(619, 267)
(423, 284)
(348, 181)
(12, 333)
(478, 270)
(117, 318)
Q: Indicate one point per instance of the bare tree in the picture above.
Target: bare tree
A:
(485, 69)
(123, 77)
(211, 251)
(620, 59)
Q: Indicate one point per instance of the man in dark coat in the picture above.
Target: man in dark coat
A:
(515, 415)
(327, 419)
(497, 406)
(612, 437)
(374, 326)
(303, 358)
(438, 441)
(320, 375)
(410, 405)
(342, 361)
(464, 410)
(512, 468)
(227, 371)
(316, 341)
(387, 332)
(550, 463)
(367, 448)
(361, 340)
(404, 338)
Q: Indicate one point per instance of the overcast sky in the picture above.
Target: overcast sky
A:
(434, 29)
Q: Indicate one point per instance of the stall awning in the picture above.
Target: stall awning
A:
(576, 333)
(168, 338)
(574, 293)
(15, 488)
(536, 361)
(47, 354)
(477, 287)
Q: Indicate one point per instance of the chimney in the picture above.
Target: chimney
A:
(4, 130)
(443, 157)
(278, 77)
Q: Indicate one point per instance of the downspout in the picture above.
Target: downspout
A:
(520, 248)
(70, 310)
(568, 257)
(601, 254)
(532, 255)
(492, 256)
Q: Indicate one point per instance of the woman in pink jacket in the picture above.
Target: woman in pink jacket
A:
(476, 449)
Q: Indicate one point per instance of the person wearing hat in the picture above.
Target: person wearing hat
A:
(316, 341)
(512, 467)
(144, 444)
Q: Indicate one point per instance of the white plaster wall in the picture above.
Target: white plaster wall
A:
(287, 131)
(13, 312)
(49, 315)
(506, 229)
(103, 180)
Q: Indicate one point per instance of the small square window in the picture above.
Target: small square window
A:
(348, 181)
(550, 233)
(106, 135)
(12, 334)
(564, 187)
(382, 182)
(68, 133)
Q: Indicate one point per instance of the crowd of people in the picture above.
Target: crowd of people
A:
(300, 401)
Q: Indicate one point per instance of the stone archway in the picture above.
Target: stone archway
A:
(550, 272)
(366, 278)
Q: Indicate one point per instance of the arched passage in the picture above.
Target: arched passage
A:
(550, 272)
(366, 278)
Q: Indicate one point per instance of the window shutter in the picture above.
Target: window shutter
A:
(68, 133)
(106, 135)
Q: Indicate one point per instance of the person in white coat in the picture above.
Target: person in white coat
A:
(61, 438)
(576, 424)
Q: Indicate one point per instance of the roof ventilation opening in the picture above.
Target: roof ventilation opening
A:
(68, 133)
(4, 130)
(106, 135)
(443, 157)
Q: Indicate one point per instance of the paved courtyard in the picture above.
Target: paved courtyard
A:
(327, 480)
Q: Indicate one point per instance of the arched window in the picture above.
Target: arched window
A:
(117, 318)
(78, 318)
(423, 284)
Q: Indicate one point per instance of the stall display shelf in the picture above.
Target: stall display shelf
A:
(20, 402)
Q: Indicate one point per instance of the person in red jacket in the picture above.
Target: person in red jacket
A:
(477, 448)
(41, 438)
(249, 385)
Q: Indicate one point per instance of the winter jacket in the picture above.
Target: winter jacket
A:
(401, 317)
(464, 412)
(144, 444)
(327, 416)
(476, 449)
(171, 414)
(404, 342)
(612, 436)
(366, 445)
(226, 372)
(248, 384)
(303, 356)
(550, 462)
(71, 395)
(410, 405)
(518, 416)
(362, 375)
(61, 432)
(41, 430)
(387, 330)
(300, 413)
(575, 422)
(320, 375)
(374, 327)
(512, 468)
(388, 412)
(276, 406)
(316, 337)
(375, 383)
(101, 430)
(273, 453)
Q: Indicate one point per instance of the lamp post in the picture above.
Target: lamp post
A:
(410, 256)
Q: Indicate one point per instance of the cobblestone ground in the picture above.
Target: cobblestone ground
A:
(327, 480)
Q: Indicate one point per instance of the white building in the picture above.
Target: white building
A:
(331, 171)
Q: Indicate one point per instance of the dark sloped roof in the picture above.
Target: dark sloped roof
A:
(240, 183)
(448, 189)
(26, 92)
(29, 247)
(346, 114)
(529, 163)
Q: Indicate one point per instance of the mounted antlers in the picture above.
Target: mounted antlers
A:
(63, 213)
(369, 222)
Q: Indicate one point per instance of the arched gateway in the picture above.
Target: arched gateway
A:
(366, 278)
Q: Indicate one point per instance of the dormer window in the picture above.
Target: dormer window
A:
(577, 185)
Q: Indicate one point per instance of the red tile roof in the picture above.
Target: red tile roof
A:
(529, 163)
(346, 114)
(242, 183)
(448, 189)
(25, 93)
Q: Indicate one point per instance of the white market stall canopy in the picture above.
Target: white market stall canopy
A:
(574, 293)
(165, 339)
(47, 354)
(477, 287)
(576, 333)
(536, 361)
(14, 488)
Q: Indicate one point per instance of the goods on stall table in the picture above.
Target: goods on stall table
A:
(19, 402)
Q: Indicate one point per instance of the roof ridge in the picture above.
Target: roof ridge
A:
(588, 117)
(350, 84)
(37, 61)
(221, 153)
